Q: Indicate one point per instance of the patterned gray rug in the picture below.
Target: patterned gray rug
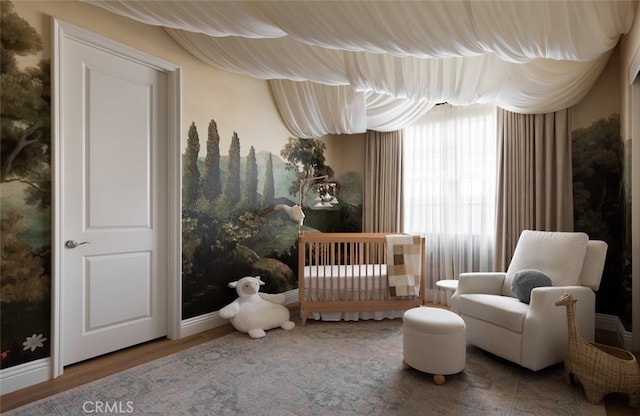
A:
(324, 368)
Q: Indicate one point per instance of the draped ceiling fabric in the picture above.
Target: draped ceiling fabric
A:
(352, 66)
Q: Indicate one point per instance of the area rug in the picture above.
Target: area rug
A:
(323, 368)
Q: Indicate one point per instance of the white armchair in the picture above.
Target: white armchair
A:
(533, 335)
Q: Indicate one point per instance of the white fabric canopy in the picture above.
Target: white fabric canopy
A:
(344, 67)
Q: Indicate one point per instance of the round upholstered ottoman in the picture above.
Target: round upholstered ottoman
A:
(434, 341)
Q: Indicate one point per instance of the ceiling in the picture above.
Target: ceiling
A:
(347, 66)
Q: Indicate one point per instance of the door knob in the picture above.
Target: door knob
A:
(73, 244)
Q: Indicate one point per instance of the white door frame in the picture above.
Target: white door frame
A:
(62, 30)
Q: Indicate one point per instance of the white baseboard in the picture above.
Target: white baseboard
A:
(212, 320)
(613, 324)
(25, 375)
(201, 323)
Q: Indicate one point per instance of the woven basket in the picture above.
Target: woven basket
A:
(602, 369)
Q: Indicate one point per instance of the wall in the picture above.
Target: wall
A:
(629, 56)
(630, 127)
(208, 94)
(346, 152)
(601, 197)
(222, 241)
(601, 101)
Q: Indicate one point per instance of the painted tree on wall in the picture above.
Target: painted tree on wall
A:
(234, 233)
(232, 183)
(190, 172)
(306, 159)
(250, 196)
(241, 232)
(211, 174)
(268, 191)
(25, 173)
(599, 201)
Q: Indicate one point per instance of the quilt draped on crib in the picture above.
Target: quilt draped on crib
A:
(404, 265)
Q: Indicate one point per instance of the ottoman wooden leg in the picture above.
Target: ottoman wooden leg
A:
(405, 365)
(438, 379)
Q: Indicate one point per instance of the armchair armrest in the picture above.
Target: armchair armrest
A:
(544, 298)
(543, 308)
(481, 282)
(545, 325)
(477, 282)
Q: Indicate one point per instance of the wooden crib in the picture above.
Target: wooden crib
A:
(347, 272)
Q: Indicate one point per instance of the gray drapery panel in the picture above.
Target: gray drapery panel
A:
(382, 181)
(535, 181)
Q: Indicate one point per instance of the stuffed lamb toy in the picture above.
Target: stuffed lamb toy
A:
(254, 312)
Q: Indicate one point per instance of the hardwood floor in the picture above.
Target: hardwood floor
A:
(96, 368)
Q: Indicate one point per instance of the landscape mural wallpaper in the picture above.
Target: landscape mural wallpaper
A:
(25, 189)
(602, 207)
(236, 218)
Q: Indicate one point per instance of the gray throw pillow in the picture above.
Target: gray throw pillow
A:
(524, 281)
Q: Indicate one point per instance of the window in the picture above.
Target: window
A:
(449, 186)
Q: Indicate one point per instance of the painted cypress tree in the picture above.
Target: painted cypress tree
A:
(190, 172)
(210, 180)
(251, 179)
(268, 192)
(232, 185)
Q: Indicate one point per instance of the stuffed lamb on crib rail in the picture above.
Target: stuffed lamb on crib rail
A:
(254, 312)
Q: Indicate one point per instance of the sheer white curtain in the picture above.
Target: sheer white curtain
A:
(449, 189)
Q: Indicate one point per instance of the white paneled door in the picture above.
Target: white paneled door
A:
(113, 155)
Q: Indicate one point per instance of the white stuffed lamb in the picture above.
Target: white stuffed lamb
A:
(254, 312)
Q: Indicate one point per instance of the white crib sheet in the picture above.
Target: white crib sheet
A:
(337, 282)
